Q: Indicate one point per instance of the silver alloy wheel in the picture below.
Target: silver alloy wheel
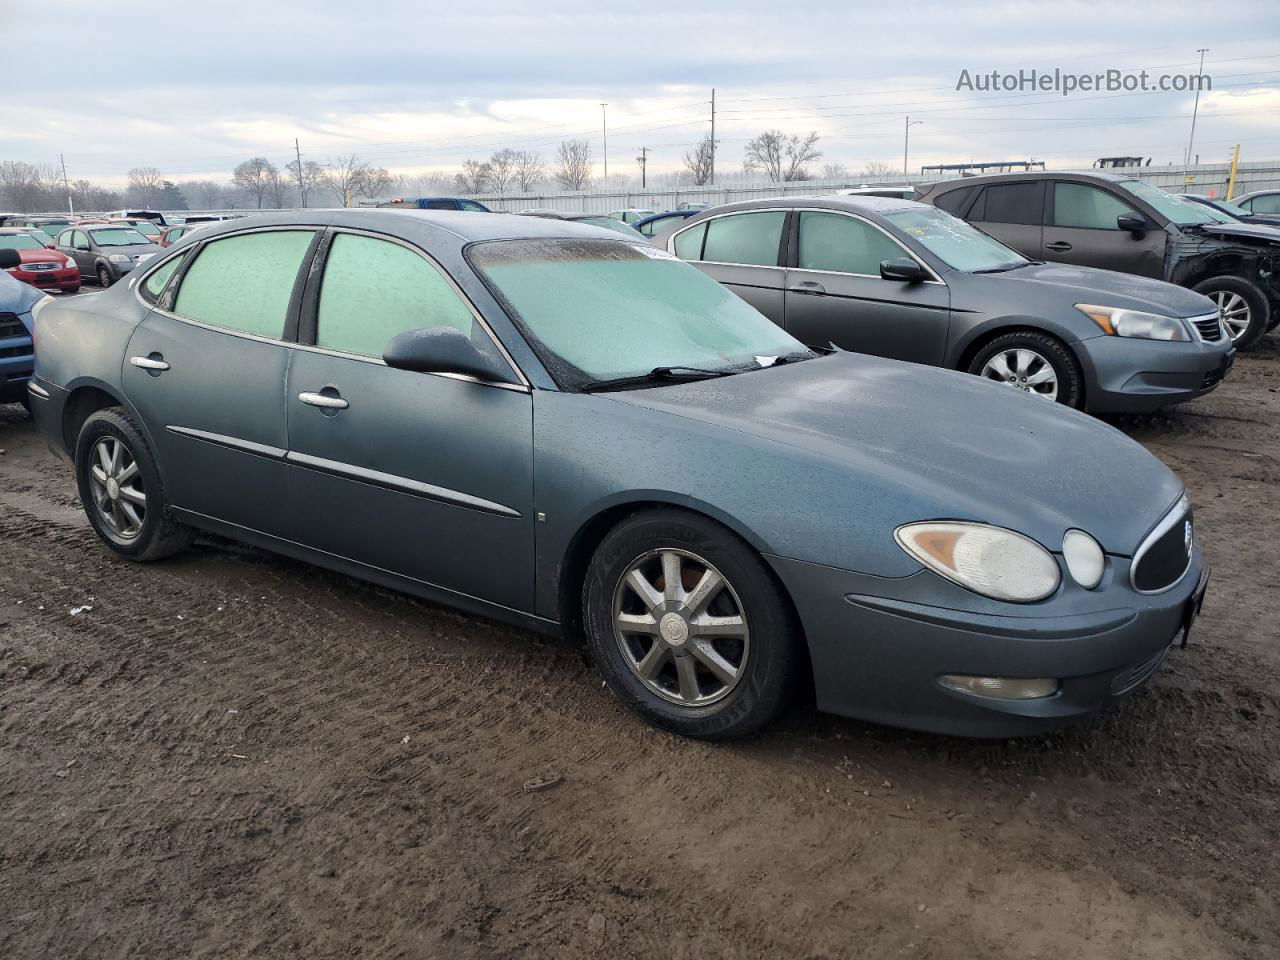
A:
(681, 627)
(1234, 311)
(1024, 369)
(116, 484)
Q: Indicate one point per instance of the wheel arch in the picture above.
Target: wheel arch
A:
(971, 347)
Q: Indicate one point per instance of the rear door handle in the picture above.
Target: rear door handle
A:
(321, 400)
(149, 363)
(1059, 246)
(809, 286)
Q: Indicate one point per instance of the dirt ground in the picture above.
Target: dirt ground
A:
(230, 754)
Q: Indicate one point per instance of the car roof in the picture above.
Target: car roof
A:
(15, 231)
(843, 202)
(1084, 176)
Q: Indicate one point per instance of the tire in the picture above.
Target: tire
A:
(1233, 294)
(104, 277)
(756, 662)
(72, 291)
(1027, 356)
(113, 508)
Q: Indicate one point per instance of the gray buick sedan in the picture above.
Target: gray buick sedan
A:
(555, 426)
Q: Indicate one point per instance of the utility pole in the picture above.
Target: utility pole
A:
(906, 136)
(712, 180)
(1196, 109)
(71, 207)
(604, 129)
(643, 160)
(1235, 164)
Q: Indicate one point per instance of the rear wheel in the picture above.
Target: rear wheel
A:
(1034, 363)
(1242, 306)
(688, 626)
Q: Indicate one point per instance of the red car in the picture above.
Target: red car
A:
(40, 267)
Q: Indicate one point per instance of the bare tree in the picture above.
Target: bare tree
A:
(375, 183)
(698, 160)
(20, 186)
(473, 178)
(256, 176)
(503, 166)
(573, 164)
(781, 157)
(277, 187)
(145, 184)
(878, 168)
(834, 171)
(306, 178)
(344, 175)
(529, 169)
(204, 194)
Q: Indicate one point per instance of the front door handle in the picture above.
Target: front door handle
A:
(1058, 246)
(321, 400)
(150, 363)
(809, 286)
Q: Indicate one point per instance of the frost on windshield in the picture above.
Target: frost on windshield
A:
(953, 241)
(600, 309)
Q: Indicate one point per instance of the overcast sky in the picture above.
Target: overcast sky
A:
(194, 88)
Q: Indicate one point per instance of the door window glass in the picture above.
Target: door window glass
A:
(80, 239)
(689, 243)
(244, 282)
(831, 241)
(750, 238)
(374, 289)
(1267, 203)
(1080, 205)
(441, 205)
(472, 205)
(1012, 203)
(953, 200)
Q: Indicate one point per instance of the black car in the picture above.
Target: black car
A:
(1126, 224)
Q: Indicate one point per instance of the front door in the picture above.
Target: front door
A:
(835, 294)
(1081, 229)
(206, 372)
(423, 475)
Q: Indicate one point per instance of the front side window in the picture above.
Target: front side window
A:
(81, 240)
(154, 285)
(1268, 203)
(832, 241)
(1080, 205)
(244, 282)
(601, 309)
(472, 205)
(749, 238)
(953, 241)
(374, 289)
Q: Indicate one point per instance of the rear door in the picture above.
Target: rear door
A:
(835, 294)
(428, 476)
(1013, 213)
(206, 371)
(742, 251)
(1081, 229)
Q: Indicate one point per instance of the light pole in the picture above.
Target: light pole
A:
(604, 130)
(906, 137)
(1196, 109)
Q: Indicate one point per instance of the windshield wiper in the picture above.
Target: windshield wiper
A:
(656, 375)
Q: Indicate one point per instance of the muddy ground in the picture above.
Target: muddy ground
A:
(230, 754)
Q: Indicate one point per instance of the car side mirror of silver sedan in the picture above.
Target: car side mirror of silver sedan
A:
(442, 350)
(903, 268)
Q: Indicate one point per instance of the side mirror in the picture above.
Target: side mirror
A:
(441, 350)
(83, 247)
(1132, 222)
(9, 259)
(904, 269)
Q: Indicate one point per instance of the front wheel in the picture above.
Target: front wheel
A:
(1035, 363)
(121, 491)
(1242, 306)
(104, 277)
(689, 627)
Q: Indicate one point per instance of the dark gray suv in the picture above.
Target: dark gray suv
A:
(1123, 223)
(903, 280)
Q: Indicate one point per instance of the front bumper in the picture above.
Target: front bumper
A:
(63, 279)
(1124, 375)
(879, 646)
(17, 358)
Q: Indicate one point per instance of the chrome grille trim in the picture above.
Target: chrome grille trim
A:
(1208, 327)
(1176, 513)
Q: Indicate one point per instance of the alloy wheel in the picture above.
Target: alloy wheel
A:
(1234, 311)
(681, 627)
(1024, 369)
(116, 485)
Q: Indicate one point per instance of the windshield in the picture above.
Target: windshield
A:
(954, 242)
(1226, 206)
(117, 237)
(20, 241)
(1182, 212)
(148, 228)
(602, 309)
(40, 235)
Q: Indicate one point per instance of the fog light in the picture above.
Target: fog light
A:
(1000, 688)
(1084, 558)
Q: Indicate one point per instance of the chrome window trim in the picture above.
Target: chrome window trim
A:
(1177, 512)
(671, 240)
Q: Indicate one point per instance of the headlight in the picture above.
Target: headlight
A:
(71, 264)
(1084, 558)
(118, 258)
(992, 561)
(1118, 322)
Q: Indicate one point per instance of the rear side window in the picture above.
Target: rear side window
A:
(441, 205)
(154, 285)
(244, 283)
(374, 289)
(954, 200)
(1011, 203)
(830, 241)
(1080, 205)
(688, 244)
(750, 238)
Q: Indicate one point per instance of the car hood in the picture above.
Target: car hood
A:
(941, 444)
(16, 296)
(1248, 231)
(44, 255)
(1109, 288)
